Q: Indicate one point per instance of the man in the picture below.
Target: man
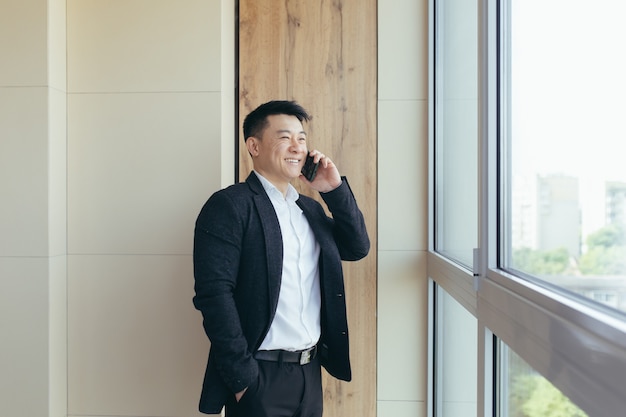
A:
(268, 275)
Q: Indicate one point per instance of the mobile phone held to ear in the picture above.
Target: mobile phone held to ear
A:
(310, 168)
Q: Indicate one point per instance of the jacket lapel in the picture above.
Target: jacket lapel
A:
(314, 221)
(272, 237)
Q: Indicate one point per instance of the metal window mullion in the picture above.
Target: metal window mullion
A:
(487, 189)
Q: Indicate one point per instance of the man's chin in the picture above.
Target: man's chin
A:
(293, 174)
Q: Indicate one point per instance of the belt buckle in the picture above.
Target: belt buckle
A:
(305, 357)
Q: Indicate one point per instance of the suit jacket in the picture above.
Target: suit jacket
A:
(238, 266)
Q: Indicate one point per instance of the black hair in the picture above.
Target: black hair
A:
(256, 121)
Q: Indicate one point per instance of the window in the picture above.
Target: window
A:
(456, 143)
(455, 357)
(525, 393)
(529, 171)
(565, 102)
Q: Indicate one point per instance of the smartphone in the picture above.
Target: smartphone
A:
(310, 168)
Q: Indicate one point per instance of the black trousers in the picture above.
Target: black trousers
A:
(282, 390)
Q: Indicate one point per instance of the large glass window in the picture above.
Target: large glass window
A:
(565, 102)
(456, 133)
(455, 358)
(526, 108)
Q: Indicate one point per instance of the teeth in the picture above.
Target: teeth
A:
(292, 160)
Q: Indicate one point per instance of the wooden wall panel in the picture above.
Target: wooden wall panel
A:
(323, 55)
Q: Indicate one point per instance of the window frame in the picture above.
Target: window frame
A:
(578, 348)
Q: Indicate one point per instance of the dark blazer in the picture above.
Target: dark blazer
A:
(238, 265)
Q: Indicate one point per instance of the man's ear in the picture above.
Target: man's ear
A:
(252, 144)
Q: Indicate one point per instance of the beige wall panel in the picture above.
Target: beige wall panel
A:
(403, 50)
(140, 168)
(57, 172)
(24, 171)
(135, 341)
(402, 409)
(57, 44)
(402, 207)
(324, 56)
(23, 43)
(143, 45)
(403, 183)
(403, 324)
(24, 341)
(57, 335)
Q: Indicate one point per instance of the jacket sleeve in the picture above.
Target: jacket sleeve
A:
(217, 246)
(349, 228)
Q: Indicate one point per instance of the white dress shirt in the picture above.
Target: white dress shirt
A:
(296, 325)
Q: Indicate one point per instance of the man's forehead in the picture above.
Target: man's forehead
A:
(283, 123)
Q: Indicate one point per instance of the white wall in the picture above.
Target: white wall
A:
(402, 207)
(102, 177)
(144, 153)
(33, 371)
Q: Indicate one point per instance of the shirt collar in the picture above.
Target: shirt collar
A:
(272, 191)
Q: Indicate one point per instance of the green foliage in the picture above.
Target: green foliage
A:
(549, 262)
(607, 237)
(537, 397)
(606, 254)
(522, 388)
(603, 261)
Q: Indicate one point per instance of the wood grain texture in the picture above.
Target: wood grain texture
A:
(323, 55)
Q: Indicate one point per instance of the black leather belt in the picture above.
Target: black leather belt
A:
(302, 356)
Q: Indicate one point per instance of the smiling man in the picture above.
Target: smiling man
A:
(268, 275)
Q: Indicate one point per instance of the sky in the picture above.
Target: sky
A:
(568, 94)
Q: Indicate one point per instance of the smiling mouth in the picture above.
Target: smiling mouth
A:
(292, 161)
